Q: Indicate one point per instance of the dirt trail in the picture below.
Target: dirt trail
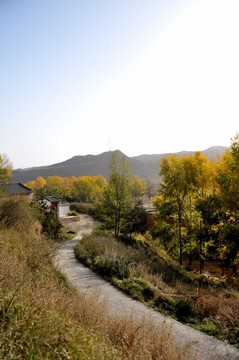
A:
(85, 280)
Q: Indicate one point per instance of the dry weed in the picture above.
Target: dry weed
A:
(224, 311)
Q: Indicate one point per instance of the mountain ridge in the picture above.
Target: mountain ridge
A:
(146, 165)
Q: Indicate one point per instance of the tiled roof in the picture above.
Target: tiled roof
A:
(52, 199)
(16, 188)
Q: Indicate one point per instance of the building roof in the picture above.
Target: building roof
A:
(52, 199)
(16, 188)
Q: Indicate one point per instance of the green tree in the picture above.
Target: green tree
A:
(116, 204)
(228, 180)
(178, 180)
(208, 232)
(137, 220)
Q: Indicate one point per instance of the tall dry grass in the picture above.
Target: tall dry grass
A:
(224, 311)
(43, 317)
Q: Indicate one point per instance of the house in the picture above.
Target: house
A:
(55, 204)
(17, 189)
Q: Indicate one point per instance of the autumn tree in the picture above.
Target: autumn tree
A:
(37, 186)
(99, 183)
(83, 189)
(116, 204)
(204, 175)
(203, 196)
(68, 187)
(54, 186)
(138, 188)
(228, 180)
(149, 188)
(174, 188)
(202, 189)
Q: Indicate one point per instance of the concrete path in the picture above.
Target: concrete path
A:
(85, 280)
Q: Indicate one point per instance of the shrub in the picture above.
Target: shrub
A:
(138, 288)
(50, 225)
(208, 327)
(83, 208)
(72, 213)
(110, 267)
(16, 213)
(185, 310)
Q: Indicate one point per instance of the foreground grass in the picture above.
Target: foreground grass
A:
(162, 285)
(43, 317)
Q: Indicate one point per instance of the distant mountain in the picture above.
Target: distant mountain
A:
(211, 153)
(146, 166)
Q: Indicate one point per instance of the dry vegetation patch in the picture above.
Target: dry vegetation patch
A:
(43, 317)
(211, 308)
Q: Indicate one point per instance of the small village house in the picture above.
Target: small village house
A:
(17, 189)
(55, 204)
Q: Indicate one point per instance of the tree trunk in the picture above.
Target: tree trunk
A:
(180, 237)
(200, 251)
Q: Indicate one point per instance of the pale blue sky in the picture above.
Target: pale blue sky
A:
(80, 77)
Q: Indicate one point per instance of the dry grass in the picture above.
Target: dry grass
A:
(211, 309)
(135, 339)
(224, 311)
(43, 318)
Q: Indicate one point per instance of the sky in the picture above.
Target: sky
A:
(144, 77)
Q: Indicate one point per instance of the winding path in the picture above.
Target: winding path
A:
(85, 280)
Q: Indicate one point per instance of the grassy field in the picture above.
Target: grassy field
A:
(140, 268)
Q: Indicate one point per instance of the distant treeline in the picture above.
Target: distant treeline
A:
(84, 189)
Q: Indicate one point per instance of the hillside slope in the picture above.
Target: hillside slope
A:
(146, 166)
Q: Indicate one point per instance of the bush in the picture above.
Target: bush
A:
(50, 225)
(138, 288)
(16, 213)
(185, 310)
(72, 213)
(110, 267)
(83, 208)
(208, 327)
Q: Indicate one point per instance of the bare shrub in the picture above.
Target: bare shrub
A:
(228, 314)
(225, 312)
